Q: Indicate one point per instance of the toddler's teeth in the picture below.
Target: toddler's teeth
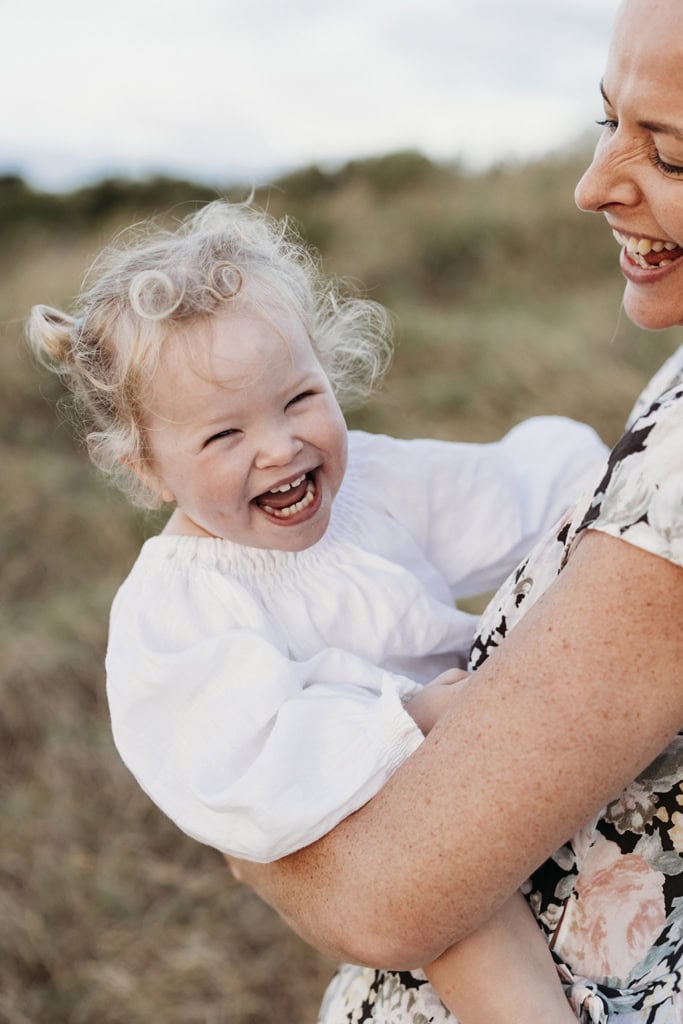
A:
(288, 487)
(290, 510)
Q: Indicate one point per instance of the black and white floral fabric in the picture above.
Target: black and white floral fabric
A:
(611, 900)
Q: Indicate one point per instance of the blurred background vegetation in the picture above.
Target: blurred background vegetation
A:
(507, 304)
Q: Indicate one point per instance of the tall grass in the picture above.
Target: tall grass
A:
(506, 303)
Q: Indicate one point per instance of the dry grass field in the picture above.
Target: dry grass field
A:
(506, 304)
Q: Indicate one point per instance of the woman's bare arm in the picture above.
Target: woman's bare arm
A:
(583, 695)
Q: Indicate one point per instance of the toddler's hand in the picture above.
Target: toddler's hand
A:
(427, 706)
(447, 678)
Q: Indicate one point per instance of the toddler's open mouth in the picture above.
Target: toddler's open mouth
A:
(290, 499)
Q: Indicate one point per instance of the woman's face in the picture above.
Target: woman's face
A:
(636, 177)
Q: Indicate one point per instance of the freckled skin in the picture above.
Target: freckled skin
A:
(643, 83)
(507, 775)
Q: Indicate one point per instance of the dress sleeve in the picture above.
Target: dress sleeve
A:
(243, 748)
(640, 497)
(477, 509)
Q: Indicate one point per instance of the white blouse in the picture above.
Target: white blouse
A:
(256, 695)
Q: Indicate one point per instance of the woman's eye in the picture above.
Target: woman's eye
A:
(674, 169)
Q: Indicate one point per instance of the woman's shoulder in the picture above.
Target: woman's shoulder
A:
(667, 377)
(640, 497)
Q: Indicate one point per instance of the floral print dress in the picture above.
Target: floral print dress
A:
(611, 900)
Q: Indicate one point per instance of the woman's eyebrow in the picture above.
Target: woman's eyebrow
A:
(661, 128)
(656, 127)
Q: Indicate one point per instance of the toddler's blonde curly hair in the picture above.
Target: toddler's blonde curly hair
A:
(151, 282)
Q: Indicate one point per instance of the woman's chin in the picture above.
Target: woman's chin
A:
(650, 315)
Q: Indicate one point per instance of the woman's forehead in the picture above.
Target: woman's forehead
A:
(652, 26)
(645, 59)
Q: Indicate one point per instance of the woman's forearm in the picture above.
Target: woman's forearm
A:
(583, 695)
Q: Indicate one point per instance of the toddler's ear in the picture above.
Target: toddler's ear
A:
(144, 472)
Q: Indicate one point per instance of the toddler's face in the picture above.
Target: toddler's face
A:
(245, 434)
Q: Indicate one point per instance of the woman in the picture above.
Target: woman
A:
(584, 696)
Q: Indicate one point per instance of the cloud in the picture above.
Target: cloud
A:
(226, 88)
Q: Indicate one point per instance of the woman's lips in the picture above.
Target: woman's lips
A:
(648, 253)
(645, 260)
(639, 274)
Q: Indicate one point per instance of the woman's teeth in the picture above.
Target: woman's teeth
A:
(639, 248)
(290, 510)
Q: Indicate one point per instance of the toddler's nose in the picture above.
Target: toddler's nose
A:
(278, 448)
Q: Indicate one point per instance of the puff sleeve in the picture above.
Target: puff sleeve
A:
(477, 509)
(245, 749)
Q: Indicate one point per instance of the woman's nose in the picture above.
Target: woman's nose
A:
(610, 180)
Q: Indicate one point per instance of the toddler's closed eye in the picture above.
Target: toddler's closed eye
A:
(300, 398)
(221, 433)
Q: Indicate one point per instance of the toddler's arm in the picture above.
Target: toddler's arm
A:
(503, 972)
(509, 947)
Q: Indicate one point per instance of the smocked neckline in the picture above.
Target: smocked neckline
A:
(241, 560)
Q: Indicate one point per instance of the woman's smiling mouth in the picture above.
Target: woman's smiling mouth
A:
(648, 253)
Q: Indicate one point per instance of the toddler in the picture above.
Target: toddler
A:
(285, 642)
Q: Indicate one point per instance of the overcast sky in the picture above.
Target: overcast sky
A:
(241, 90)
